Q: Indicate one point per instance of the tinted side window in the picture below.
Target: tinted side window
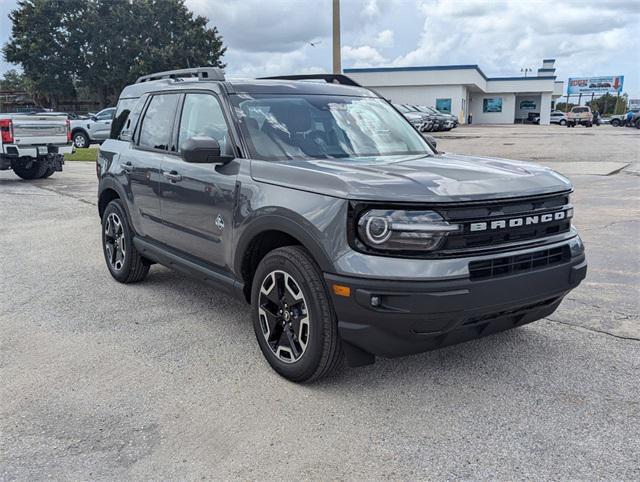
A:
(132, 109)
(106, 114)
(202, 116)
(158, 121)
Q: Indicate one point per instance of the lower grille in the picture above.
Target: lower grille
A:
(504, 266)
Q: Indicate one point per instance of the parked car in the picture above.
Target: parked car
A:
(418, 119)
(452, 118)
(620, 120)
(322, 207)
(580, 115)
(556, 117)
(33, 145)
(95, 129)
(446, 121)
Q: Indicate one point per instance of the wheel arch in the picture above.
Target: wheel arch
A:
(108, 191)
(267, 233)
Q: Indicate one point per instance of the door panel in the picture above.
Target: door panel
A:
(197, 200)
(197, 208)
(143, 171)
(144, 162)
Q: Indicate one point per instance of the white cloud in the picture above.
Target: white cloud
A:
(385, 38)
(268, 37)
(364, 56)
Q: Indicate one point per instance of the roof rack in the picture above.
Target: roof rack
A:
(328, 78)
(203, 73)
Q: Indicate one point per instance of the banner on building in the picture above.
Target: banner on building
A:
(595, 85)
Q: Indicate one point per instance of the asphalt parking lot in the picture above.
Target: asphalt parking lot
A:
(164, 379)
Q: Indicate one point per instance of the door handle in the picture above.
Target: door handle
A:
(173, 176)
(127, 166)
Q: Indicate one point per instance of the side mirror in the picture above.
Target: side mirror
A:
(94, 118)
(203, 150)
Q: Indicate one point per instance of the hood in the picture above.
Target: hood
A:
(430, 179)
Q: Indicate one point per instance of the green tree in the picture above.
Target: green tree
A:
(608, 104)
(102, 45)
(40, 44)
(13, 80)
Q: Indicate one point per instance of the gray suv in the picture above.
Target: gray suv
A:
(318, 203)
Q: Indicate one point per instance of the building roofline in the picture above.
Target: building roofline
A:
(533, 77)
(542, 69)
(427, 68)
(548, 60)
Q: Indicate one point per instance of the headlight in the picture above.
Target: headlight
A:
(399, 230)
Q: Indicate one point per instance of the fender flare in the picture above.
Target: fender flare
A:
(275, 222)
(109, 183)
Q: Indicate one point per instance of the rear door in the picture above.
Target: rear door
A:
(198, 199)
(102, 126)
(142, 162)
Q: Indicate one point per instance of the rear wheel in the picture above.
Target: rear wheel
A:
(293, 317)
(563, 122)
(29, 168)
(615, 122)
(48, 172)
(123, 260)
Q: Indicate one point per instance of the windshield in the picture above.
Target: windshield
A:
(283, 127)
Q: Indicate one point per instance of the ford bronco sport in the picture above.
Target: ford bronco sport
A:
(317, 202)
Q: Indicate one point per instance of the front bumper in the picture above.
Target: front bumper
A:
(415, 316)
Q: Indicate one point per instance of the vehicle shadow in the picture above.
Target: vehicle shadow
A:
(489, 359)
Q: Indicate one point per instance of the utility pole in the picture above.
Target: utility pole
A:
(337, 60)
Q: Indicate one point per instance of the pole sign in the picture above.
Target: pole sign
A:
(595, 85)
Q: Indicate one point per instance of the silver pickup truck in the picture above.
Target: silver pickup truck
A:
(34, 145)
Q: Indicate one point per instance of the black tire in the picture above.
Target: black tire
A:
(615, 122)
(80, 140)
(130, 267)
(28, 168)
(562, 122)
(322, 352)
(48, 172)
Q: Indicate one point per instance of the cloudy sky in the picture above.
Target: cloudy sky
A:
(267, 37)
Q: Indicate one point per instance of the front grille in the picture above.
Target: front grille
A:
(491, 211)
(522, 263)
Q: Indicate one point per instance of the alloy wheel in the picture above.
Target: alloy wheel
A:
(79, 141)
(114, 241)
(284, 317)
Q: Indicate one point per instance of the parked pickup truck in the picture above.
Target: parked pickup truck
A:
(580, 115)
(95, 129)
(34, 145)
(322, 207)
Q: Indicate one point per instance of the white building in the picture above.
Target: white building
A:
(465, 90)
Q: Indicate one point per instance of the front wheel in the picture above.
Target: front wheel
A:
(123, 260)
(293, 317)
(80, 140)
(615, 122)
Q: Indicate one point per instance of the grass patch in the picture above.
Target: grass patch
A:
(88, 155)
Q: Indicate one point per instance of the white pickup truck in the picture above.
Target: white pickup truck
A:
(34, 145)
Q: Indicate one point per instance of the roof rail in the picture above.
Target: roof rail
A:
(203, 73)
(328, 78)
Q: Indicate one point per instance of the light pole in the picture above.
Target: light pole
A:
(337, 59)
(525, 70)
